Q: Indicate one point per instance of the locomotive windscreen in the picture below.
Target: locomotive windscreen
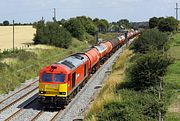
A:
(47, 77)
(59, 77)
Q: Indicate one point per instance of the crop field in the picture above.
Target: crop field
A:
(23, 35)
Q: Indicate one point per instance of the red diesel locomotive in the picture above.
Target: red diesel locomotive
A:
(59, 82)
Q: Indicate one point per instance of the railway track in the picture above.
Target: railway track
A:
(53, 118)
(21, 109)
(20, 98)
(29, 85)
(37, 115)
(13, 104)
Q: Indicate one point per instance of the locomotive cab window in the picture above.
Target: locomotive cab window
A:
(59, 77)
(47, 77)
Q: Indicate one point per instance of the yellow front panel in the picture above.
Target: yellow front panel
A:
(53, 90)
(63, 88)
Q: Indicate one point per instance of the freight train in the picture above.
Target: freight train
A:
(61, 81)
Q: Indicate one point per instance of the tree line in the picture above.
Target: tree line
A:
(168, 24)
(60, 33)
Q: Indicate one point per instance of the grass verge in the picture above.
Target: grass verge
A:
(108, 92)
(173, 78)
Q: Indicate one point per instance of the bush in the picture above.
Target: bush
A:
(22, 55)
(151, 39)
(88, 24)
(52, 34)
(135, 106)
(148, 69)
(168, 24)
(6, 23)
(117, 111)
(3, 66)
(26, 55)
(75, 27)
(153, 22)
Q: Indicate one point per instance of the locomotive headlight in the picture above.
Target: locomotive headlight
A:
(42, 92)
(62, 93)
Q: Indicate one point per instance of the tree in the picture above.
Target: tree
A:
(123, 23)
(88, 24)
(153, 22)
(148, 69)
(101, 24)
(61, 22)
(51, 33)
(151, 39)
(75, 27)
(6, 23)
(168, 24)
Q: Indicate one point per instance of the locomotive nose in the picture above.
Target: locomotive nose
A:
(53, 90)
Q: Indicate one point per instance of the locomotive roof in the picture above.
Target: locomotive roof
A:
(73, 61)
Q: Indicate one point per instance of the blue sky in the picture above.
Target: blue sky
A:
(112, 10)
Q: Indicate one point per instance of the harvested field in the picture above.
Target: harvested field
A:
(23, 36)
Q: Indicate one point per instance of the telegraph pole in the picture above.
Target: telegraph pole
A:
(177, 11)
(13, 35)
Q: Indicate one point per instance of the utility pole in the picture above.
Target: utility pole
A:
(177, 11)
(54, 18)
(13, 35)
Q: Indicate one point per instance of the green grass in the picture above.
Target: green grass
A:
(173, 78)
(173, 117)
(173, 75)
(107, 36)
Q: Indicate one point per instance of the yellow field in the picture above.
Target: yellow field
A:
(23, 36)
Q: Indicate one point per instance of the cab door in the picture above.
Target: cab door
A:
(73, 79)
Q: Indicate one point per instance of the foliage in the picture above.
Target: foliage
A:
(117, 111)
(75, 27)
(134, 106)
(6, 23)
(3, 66)
(88, 24)
(102, 24)
(150, 40)
(123, 23)
(52, 34)
(148, 70)
(168, 24)
(153, 22)
(20, 54)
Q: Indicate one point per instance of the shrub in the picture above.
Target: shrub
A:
(52, 34)
(75, 27)
(151, 39)
(148, 69)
